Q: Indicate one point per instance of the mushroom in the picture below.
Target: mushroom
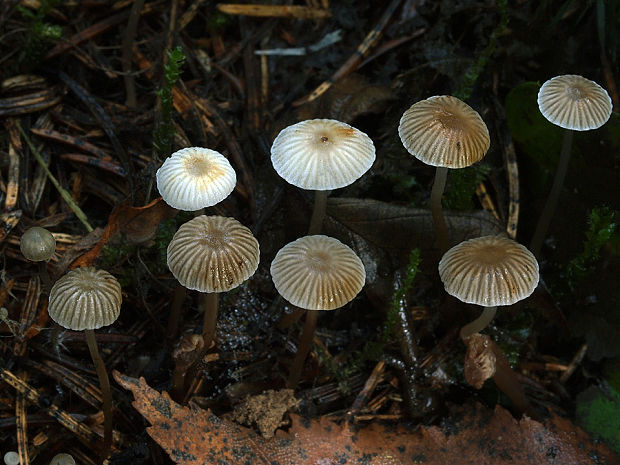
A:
(11, 458)
(38, 245)
(321, 155)
(62, 459)
(315, 273)
(444, 132)
(87, 299)
(488, 271)
(212, 254)
(195, 178)
(575, 104)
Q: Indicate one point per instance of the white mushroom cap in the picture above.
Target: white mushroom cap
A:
(444, 131)
(489, 271)
(317, 273)
(85, 298)
(322, 154)
(574, 102)
(195, 178)
(213, 254)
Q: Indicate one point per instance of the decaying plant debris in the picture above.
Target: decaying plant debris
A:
(94, 95)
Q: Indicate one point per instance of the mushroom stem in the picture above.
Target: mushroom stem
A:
(104, 382)
(318, 212)
(44, 276)
(554, 195)
(302, 351)
(479, 323)
(176, 312)
(209, 302)
(439, 185)
(506, 380)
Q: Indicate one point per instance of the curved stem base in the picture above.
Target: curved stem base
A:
(479, 323)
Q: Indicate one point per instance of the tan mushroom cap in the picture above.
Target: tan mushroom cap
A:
(574, 102)
(489, 271)
(444, 131)
(195, 178)
(85, 298)
(37, 244)
(317, 273)
(322, 154)
(213, 254)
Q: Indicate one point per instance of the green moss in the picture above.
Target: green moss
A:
(164, 133)
(40, 34)
(462, 187)
(598, 412)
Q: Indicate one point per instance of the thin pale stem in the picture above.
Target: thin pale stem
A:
(104, 382)
(209, 302)
(304, 347)
(554, 195)
(439, 185)
(479, 323)
(318, 212)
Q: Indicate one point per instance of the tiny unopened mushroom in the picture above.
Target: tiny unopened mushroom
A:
(194, 178)
(321, 155)
(488, 271)
(315, 273)
(11, 458)
(38, 245)
(62, 459)
(212, 254)
(86, 299)
(444, 132)
(575, 104)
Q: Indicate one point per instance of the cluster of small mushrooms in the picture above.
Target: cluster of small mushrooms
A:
(214, 254)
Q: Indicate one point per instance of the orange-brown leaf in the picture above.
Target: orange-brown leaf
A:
(192, 436)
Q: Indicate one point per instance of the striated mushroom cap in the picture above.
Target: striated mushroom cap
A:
(37, 244)
(195, 178)
(574, 102)
(213, 254)
(444, 131)
(85, 298)
(317, 273)
(322, 154)
(489, 271)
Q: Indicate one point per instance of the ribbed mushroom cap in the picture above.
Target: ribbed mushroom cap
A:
(574, 102)
(213, 254)
(322, 154)
(37, 244)
(489, 271)
(444, 131)
(317, 273)
(62, 459)
(195, 178)
(85, 298)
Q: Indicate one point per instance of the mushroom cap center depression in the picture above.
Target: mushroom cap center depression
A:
(201, 167)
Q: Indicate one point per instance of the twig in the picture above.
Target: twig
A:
(369, 387)
(63, 193)
(572, 366)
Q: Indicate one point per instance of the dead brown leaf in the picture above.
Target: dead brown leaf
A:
(193, 436)
(137, 224)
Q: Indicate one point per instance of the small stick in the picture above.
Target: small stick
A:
(572, 366)
(369, 387)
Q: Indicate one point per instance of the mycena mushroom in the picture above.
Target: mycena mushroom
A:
(575, 104)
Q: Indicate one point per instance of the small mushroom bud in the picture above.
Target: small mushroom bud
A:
(11, 458)
(37, 244)
(62, 459)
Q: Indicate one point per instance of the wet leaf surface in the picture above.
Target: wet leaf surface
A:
(474, 435)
